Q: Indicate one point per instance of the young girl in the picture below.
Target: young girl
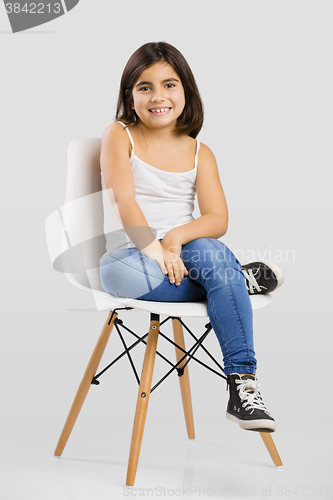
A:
(152, 166)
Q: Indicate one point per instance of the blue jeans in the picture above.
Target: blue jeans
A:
(214, 274)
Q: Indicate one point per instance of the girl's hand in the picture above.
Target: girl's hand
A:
(173, 264)
(167, 257)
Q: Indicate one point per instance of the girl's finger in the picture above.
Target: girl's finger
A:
(180, 274)
(170, 272)
(177, 272)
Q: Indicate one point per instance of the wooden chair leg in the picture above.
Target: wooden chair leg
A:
(269, 443)
(142, 401)
(184, 380)
(85, 383)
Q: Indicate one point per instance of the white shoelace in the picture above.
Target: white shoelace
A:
(251, 281)
(248, 392)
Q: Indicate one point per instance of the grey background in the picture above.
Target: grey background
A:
(264, 70)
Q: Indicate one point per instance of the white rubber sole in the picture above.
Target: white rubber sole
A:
(253, 425)
(276, 270)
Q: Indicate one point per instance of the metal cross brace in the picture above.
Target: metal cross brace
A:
(187, 354)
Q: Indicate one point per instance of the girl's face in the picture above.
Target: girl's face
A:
(158, 96)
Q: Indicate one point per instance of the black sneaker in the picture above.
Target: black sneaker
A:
(245, 405)
(262, 277)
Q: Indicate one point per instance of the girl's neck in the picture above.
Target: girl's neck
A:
(157, 134)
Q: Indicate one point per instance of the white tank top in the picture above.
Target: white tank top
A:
(165, 198)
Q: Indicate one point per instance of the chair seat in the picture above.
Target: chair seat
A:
(106, 301)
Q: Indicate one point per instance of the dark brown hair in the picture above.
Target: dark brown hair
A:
(191, 119)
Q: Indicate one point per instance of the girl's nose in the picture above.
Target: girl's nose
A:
(158, 96)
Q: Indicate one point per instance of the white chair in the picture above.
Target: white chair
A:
(76, 242)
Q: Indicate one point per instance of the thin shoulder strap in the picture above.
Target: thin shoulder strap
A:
(129, 135)
(196, 154)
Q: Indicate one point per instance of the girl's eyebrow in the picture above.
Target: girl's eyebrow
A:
(150, 83)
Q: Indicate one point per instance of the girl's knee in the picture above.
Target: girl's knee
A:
(209, 251)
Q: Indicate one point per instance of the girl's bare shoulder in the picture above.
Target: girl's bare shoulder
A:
(205, 152)
(114, 128)
(115, 136)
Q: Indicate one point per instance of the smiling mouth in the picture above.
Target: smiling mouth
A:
(159, 110)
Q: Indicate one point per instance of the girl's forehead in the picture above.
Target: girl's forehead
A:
(161, 69)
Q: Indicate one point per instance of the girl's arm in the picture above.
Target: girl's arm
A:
(117, 172)
(213, 222)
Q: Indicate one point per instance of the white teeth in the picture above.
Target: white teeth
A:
(159, 110)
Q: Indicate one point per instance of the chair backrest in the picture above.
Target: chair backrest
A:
(83, 213)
